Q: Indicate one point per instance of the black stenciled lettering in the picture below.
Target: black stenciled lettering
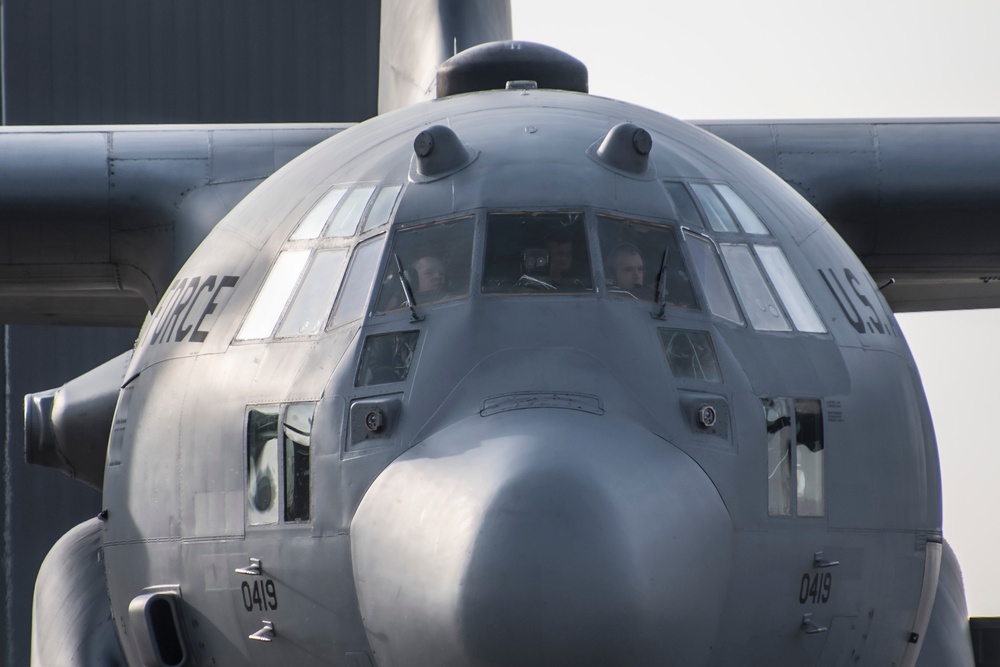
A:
(167, 304)
(272, 594)
(804, 589)
(814, 589)
(199, 335)
(874, 323)
(257, 599)
(247, 596)
(186, 294)
(182, 331)
(827, 585)
(856, 320)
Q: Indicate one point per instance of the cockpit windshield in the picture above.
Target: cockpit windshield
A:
(641, 259)
(536, 253)
(436, 261)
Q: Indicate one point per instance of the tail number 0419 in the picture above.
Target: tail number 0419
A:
(815, 587)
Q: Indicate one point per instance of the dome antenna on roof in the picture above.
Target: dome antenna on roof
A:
(491, 66)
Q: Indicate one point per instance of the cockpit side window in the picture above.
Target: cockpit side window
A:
(634, 256)
(436, 261)
(758, 300)
(537, 253)
(710, 274)
(358, 283)
(796, 301)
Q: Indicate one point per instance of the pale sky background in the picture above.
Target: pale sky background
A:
(846, 59)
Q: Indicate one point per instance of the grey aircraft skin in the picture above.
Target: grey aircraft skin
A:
(401, 406)
(546, 473)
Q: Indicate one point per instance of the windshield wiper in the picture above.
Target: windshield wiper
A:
(407, 290)
(661, 290)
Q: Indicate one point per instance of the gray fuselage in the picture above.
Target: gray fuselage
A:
(530, 465)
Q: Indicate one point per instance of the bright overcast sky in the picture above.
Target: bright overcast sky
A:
(849, 59)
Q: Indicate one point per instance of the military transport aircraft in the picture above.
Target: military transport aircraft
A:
(518, 375)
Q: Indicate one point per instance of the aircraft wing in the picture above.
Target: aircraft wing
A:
(917, 200)
(95, 222)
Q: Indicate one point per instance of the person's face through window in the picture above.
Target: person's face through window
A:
(629, 270)
(430, 274)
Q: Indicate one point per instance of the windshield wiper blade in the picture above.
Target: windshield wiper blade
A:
(407, 290)
(661, 290)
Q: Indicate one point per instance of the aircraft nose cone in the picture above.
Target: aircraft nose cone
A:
(542, 537)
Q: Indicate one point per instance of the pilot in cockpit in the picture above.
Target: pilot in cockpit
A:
(431, 278)
(625, 272)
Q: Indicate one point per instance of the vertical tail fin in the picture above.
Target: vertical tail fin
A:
(418, 35)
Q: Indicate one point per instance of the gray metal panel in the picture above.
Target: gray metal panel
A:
(142, 61)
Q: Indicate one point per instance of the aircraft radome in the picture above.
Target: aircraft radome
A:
(519, 375)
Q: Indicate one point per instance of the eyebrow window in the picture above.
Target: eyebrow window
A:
(386, 358)
(536, 253)
(437, 264)
(273, 294)
(690, 354)
(708, 269)
(796, 301)
(758, 300)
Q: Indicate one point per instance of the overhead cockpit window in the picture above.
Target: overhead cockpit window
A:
(795, 474)
(270, 302)
(690, 354)
(312, 225)
(345, 220)
(536, 253)
(746, 216)
(358, 283)
(725, 210)
(687, 210)
(758, 300)
(278, 463)
(381, 209)
(796, 301)
(311, 305)
(708, 270)
(719, 218)
(436, 261)
(635, 256)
